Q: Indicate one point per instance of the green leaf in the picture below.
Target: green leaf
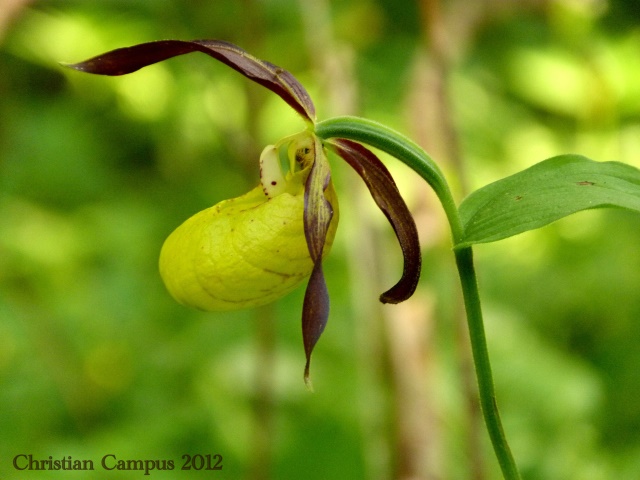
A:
(544, 193)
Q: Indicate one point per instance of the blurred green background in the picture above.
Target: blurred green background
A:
(97, 359)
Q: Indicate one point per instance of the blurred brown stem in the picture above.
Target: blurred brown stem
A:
(397, 346)
(334, 65)
(442, 126)
(9, 10)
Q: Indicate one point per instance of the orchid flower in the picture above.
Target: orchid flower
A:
(253, 249)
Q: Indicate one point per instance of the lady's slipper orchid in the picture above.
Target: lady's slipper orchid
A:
(256, 248)
(251, 250)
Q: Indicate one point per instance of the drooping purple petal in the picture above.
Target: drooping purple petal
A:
(315, 313)
(276, 79)
(318, 213)
(387, 196)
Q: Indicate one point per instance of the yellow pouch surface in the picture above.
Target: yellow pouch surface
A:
(243, 252)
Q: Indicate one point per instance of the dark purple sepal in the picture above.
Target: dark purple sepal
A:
(315, 313)
(317, 209)
(318, 213)
(387, 196)
(276, 79)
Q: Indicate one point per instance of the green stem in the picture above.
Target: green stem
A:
(400, 147)
(466, 270)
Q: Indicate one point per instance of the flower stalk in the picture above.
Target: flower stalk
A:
(484, 376)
